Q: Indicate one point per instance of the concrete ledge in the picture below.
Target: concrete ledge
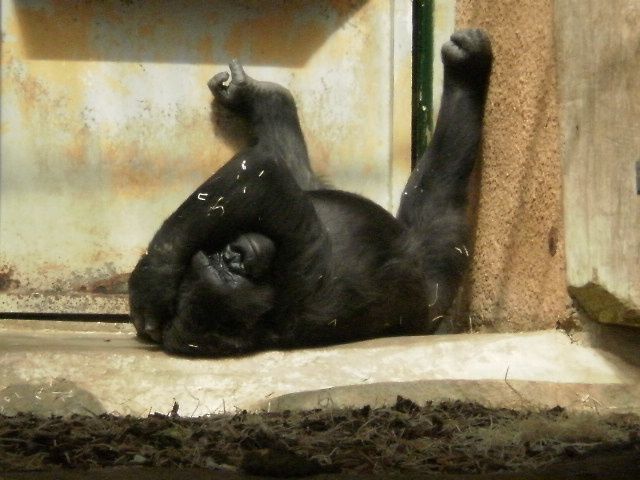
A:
(515, 394)
(71, 367)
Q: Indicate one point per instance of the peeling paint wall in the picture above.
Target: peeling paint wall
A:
(106, 122)
(517, 279)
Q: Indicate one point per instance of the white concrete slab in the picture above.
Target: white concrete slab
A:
(65, 367)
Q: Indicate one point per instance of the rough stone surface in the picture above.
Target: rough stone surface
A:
(517, 279)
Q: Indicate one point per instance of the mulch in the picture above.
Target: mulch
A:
(436, 438)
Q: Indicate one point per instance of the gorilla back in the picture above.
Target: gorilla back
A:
(263, 255)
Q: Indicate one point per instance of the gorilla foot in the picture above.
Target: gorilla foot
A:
(468, 50)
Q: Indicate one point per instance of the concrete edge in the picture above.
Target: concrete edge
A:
(515, 394)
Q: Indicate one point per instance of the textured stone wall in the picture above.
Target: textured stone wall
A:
(517, 279)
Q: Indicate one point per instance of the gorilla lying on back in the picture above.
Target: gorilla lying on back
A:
(262, 255)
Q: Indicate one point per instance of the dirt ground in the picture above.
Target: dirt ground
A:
(405, 440)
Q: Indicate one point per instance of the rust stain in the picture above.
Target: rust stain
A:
(140, 160)
(32, 92)
(7, 280)
(129, 174)
(76, 151)
(100, 256)
(48, 100)
(115, 284)
(47, 96)
(134, 173)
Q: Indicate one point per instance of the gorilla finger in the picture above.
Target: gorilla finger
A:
(199, 260)
(216, 84)
(234, 258)
(138, 322)
(453, 53)
(152, 329)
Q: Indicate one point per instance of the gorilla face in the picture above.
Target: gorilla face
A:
(222, 297)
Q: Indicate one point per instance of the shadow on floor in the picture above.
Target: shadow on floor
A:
(622, 465)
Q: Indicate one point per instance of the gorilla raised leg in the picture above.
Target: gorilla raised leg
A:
(433, 204)
(272, 115)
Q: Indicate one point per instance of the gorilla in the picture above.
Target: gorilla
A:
(264, 255)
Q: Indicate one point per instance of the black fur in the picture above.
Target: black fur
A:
(263, 255)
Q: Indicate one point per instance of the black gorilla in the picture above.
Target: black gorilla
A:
(262, 255)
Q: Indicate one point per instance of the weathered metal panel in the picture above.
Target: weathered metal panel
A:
(106, 125)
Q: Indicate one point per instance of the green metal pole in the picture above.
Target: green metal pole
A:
(422, 88)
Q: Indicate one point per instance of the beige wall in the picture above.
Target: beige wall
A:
(517, 279)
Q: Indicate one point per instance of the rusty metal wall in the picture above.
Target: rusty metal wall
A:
(106, 122)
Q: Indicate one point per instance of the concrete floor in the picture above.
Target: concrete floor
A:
(71, 367)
